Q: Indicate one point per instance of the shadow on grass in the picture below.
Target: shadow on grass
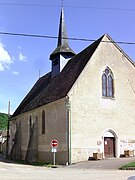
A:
(5, 160)
(33, 163)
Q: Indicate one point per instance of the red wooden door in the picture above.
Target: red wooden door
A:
(109, 147)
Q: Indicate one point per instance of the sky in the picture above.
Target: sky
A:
(22, 58)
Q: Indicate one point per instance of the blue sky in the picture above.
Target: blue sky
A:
(21, 58)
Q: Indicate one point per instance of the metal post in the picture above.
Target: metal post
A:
(7, 144)
(68, 132)
(54, 158)
(54, 150)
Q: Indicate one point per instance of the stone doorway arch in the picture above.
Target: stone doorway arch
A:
(110, 144)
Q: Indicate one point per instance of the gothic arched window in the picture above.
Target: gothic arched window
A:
(107, 83)
(43, 122)
(30, 123)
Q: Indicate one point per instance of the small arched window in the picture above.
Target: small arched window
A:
(43, 122)
(30, 122)
(107, 83)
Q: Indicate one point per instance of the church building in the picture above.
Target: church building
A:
(86, 102)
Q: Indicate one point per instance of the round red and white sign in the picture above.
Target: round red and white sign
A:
(54, 143)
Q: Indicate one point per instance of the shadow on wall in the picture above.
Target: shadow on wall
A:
(15, 153)
(32, 149)
(131, 178)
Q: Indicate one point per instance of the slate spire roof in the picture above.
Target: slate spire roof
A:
(47, 89)
(63, 45)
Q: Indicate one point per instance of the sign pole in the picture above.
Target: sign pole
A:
(7, 144)
(54, 144)
(54, 158)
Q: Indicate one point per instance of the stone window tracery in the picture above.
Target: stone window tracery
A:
(107, 83)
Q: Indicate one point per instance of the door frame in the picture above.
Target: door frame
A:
(111, 133)
(109, 142)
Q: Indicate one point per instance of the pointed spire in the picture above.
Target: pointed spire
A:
(62, 2)
(62, 46)
(62, 38)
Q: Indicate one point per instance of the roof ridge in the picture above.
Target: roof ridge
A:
(47, 90)
(34, 91)
(120, 49)
(85, 49)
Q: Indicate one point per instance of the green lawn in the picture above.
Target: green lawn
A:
(3, 121)
(128, 166)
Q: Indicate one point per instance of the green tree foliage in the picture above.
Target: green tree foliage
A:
(3, 121)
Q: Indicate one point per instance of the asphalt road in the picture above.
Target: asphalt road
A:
(11, 171)
(114, 163)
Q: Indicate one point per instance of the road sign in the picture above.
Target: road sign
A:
(54, 150)
(54, 143)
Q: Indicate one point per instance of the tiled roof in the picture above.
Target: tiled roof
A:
(48, 89)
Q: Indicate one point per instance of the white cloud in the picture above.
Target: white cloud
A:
(15, 73)
(5, 58)
(22, 57)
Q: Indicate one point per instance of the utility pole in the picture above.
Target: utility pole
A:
(7, 145)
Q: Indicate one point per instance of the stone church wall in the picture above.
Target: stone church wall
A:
(92, 114)
(28, 143)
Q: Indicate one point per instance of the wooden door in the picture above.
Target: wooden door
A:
(109, 147)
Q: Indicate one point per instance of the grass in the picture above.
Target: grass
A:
(128, 166)
(33, 163)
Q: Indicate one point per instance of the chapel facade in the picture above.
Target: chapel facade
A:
(86, 102)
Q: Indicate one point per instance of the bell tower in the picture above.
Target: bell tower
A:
(63, 52)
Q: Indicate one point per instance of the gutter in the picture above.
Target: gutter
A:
(68, 129)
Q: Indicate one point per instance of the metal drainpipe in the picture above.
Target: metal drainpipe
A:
(68, 131)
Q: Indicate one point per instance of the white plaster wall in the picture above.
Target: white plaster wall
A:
(91, 114)
(63, 62)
